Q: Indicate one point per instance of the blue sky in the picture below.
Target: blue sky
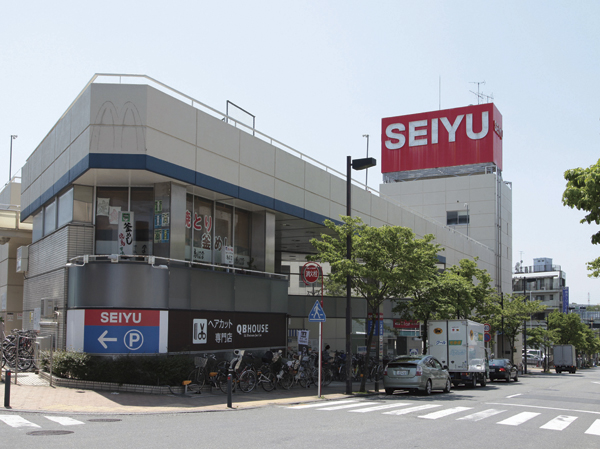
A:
(319, 75)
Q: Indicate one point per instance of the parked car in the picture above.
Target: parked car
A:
(422, 373)
(503, 369)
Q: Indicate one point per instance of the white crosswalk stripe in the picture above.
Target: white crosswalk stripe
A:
(594, 429)
(343, 406)
(381, 407)
(481, 415)
(446, 412)
(561, 422)
(519, 418)
(397, 408)
(405, 411)
(16, 421)
(64, 420)
(321, 404)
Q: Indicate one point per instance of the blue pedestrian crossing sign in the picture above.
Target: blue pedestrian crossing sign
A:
(317, 313)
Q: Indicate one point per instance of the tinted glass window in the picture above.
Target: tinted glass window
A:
(497, 362)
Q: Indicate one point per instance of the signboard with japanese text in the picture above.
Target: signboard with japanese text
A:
(213, 331)
(444, 138)
(125, 233)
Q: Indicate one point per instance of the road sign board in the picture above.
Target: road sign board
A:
(487, 337)
(316, 313)
(486, 327)
(310, 273)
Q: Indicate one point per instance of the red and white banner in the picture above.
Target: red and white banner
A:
(446, 138)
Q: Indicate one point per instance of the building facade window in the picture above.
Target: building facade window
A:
(50, 218)
(112, 200)
(458, 217)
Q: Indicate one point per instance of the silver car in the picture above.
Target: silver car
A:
(422, 373)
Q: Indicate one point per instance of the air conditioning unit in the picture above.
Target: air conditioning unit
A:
(47, 307)
(22, 259)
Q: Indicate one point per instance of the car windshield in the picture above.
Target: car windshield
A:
(408, 359)
(496, 362)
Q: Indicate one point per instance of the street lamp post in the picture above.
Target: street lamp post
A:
(12, 137)
(356, 164)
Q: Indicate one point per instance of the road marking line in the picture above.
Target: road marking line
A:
(411, 409)
(481, 415)
(381, 407)
(340, 407)
(513, 395)
(543, 408)
(519, 418)
(594, 428)
(17, 421)
(442, 413)
(561, 422)
(64, 420)
(322, 404)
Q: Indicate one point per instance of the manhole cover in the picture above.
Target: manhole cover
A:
(49, 432)
(104, 420)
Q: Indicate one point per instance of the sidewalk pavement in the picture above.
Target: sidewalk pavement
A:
(40, 397)
(43, 398)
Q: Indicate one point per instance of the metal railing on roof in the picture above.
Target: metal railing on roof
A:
(164, 262)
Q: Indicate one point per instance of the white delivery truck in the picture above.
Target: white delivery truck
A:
(459, 345)
(565, 358)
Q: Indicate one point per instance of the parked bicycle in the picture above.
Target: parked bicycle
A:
(206, 371)
(18, 349)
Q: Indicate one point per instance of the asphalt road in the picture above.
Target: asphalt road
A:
(538, 411)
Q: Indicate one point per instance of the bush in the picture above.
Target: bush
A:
(139, 370)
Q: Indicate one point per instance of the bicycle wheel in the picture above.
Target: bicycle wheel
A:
(222, 381)
(267, 381)
(286, 381)
(197, 378)
(305, 379)
(247, 381)
(326, 377)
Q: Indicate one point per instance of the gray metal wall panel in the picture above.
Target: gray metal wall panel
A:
(179, 288)
(212, 290)
(253, 294)
(123, 285)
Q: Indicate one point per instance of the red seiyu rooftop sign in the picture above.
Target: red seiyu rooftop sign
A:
(446, 138)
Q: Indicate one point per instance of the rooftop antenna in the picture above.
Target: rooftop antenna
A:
(478, 94)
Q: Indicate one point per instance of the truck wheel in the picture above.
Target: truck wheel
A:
(389, 391)
(483, 382)
(516, 377)
(558, 371)
(472, 383)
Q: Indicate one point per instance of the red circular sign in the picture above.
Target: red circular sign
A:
(310, 273)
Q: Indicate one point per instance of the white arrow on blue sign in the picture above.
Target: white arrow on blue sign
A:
(316, 313)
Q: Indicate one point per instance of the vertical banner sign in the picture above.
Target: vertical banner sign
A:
(125, 234)
(227, 255)
(566, 300)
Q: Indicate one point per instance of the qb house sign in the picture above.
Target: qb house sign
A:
(446, 138)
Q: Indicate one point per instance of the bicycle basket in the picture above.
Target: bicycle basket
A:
(200, 362)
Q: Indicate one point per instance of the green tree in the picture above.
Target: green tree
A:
(386, 263)
(517, 309)
(568, 328)
(583, 193)
(468, 289)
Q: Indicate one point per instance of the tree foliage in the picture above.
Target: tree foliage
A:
(516, 310)
(583, 193)
(387, 262)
